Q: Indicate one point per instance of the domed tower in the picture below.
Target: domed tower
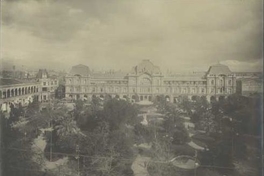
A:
(145, 80)
(221, 81)
(77, 82)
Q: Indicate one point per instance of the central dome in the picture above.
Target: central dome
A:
(146, 66)
(81, 70)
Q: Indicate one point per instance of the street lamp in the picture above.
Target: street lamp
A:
(196, 166)
(195, 162)
(231, 120)
(78, 157)
(25, 136)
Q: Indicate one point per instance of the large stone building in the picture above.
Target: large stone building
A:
(22, 91)
(16, 92)
(146, 82)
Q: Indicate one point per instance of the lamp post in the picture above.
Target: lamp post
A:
(78, 158)
(195, 162)
(51, 145)
(231, 120)
(25, 136)
(196, 165)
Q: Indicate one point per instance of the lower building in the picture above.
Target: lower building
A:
(48, 85)
(249, 86)
(17, 93)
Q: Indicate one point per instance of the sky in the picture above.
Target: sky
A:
(176, 35)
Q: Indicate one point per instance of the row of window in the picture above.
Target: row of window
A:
(185, 90)
(221, 82)
(98, 89)
(85, 81)
(50, 83)
(148, 90)
(185, 82)
(220, 90)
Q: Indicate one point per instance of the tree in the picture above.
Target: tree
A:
(66, 127)
(245, 112)
(186, 105)
(60, 92)
(208, 123)
(180, 135)
(143, 133)
(15, 112)
(104, 136)
(16, 151)
(120, 112)
(200, 106)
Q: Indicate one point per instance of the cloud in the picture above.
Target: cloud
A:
(237, 66)
(177, 35)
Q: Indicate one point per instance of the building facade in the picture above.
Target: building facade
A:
(249, 86)
(48, 85)
(17, 93)
(249, 83)
(146, 82)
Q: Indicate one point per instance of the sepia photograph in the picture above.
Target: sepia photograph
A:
(131, 88)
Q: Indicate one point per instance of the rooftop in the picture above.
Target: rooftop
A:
(7, 81)
(194, 76)
(112, 74)
(42, 73)
(219, 69)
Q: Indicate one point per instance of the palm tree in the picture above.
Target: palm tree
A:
(67, 126)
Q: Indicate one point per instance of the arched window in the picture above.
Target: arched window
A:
(212, 82)
(229, 82)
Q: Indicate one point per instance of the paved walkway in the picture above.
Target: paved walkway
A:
(139, 166)
(187, 125)
(38, 147)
